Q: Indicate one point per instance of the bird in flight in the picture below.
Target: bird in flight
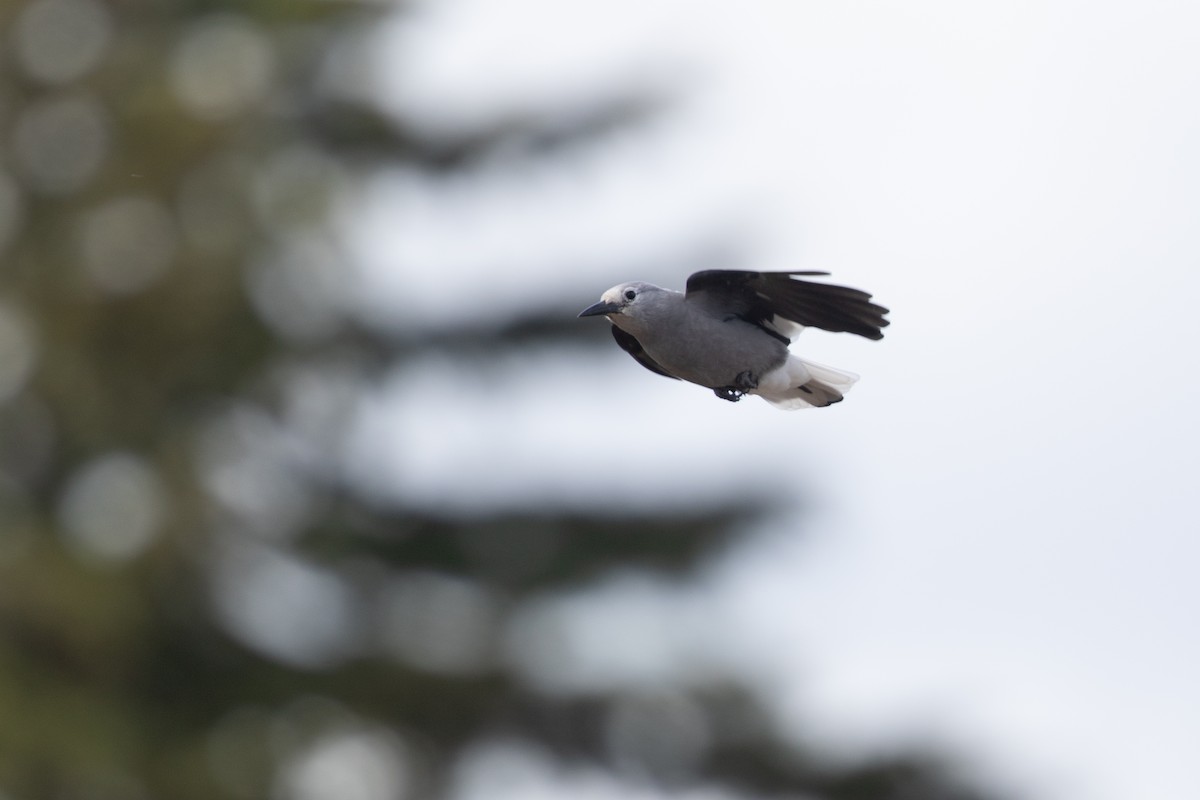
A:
(731, 329)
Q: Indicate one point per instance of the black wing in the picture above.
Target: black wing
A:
(758, 296)
(632, 346)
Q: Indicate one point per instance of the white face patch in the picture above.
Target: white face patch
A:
(619, 294)
(614, 295)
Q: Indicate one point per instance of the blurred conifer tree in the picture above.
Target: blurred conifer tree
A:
(177, 367)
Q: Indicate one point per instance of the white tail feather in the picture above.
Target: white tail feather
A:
(804, 384)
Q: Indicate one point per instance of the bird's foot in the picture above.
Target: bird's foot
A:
(745, 381)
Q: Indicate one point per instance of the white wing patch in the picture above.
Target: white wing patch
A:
(785, 327)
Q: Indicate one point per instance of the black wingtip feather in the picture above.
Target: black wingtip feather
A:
(827, 306)
(821, 305)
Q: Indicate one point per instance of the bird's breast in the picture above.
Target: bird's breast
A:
(712, 352)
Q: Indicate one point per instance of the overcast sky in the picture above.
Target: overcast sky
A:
(1004, 550)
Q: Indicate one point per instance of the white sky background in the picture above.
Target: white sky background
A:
(1005, 550)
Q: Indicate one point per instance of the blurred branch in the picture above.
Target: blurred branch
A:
(524, 551)
(738, 748)
(362, 131)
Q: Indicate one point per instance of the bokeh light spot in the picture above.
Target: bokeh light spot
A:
(300, 290)
(112, 508)
(127, 243)
(61, 40)
(60, 143)
(295, 187)
(439, 623)
(244, 461)
(284, 607)
(368, 764)
(223, 65)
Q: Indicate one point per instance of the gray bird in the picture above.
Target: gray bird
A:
(730, 332)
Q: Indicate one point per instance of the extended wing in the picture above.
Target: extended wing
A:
(759, 297)
(632, 346)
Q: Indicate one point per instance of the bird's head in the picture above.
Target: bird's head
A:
(625, 299)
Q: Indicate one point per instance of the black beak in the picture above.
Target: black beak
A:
(603, 307)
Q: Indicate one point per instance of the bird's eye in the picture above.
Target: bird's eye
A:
(630, 294)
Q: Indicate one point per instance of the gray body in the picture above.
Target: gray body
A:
(730, 332)
(696, 342)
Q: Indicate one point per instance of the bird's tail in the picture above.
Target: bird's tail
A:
(804, 384)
